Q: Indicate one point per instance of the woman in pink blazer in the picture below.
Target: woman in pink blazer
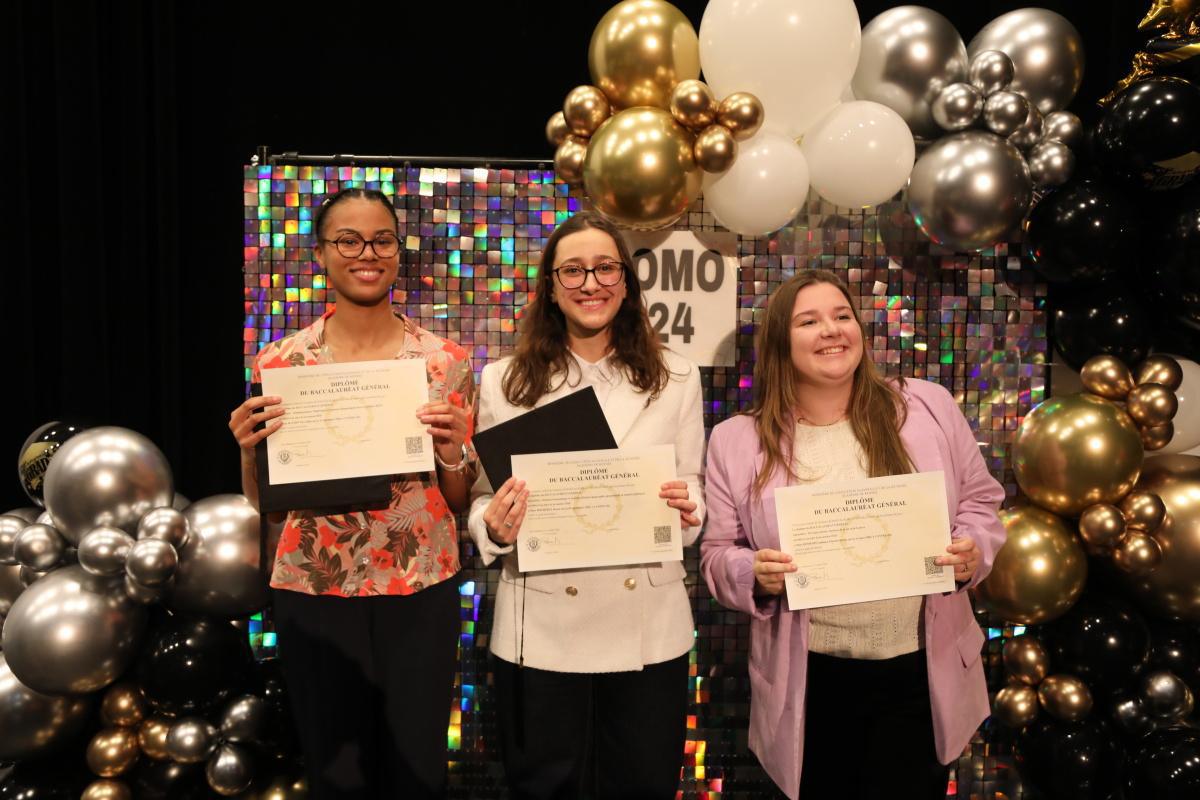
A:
(888, 691)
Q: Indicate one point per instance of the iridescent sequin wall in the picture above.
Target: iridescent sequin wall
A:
(472, 239)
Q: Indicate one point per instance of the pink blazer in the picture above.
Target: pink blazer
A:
(937, 437)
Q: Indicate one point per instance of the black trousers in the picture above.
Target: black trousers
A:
(370, 681)
(592, 735)
(868, 730)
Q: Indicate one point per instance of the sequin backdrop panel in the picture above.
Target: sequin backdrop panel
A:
(472, 240)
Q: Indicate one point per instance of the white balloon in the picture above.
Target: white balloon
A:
(859, 154)
(796, 56)
(764, 189)
(1187, 418)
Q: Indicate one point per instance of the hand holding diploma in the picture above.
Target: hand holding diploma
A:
(448, 425)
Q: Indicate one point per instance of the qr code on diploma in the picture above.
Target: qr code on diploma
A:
(662, 534)
(414, 445)
(931, 565)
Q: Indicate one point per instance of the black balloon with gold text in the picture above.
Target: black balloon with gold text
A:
(37, 450)
(1108, 319)
(1149, 137)
(1081, 233)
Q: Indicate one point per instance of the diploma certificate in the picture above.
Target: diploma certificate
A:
(870, 539)
(597, 508)
(348, 420)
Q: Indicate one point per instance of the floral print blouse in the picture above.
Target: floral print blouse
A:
(404, 548)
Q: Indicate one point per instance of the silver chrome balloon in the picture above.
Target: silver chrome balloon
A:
(10, 528)
(105, 476)
(1005, 112)
(958, 106)
(39, 547)
(103, 551)
(45, 518)
(167, 524)
(990, 71)
(230, 770)
(191, 740)
(908, 55)
(969, 190)
(1130, 714)
(1165, 696)
(72, 632)
(1063, 126)
(1029, 132)
(151, 562)
(1046, 51)
(180, 502)
(31, 576)
(219, 572)
(146, 594)
(1051, 164)
(28, 513)
(10, 587)
(244, 719)
(33, 722)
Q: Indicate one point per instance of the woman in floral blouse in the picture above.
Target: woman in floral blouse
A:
(365, 603)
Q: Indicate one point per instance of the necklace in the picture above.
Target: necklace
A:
(801, 419)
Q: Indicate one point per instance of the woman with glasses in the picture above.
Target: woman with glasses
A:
(591, 665)
(366, 603)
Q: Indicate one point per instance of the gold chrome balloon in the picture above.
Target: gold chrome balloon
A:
(105, 789)
(1040, 571)
(585, 109)
(715, 149)
(1107, 376)
(1137, 553)
(284, 788)
(1160, 369)
(152, 736)
(1026, 659)
(568, 159)
(122, 706)
(556, 128)
(1172, 589)
(1073, 451)
(1158, 437)
(640, 170)
(1101, 526)
(1065, 697)
(639, 50)
(1016, 705)
(1144, 511)
(112, 752)
(693, 105)
(1151, 404)
(742, 113)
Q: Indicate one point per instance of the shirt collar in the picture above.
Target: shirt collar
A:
(605, 369)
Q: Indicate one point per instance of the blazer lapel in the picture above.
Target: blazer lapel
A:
(622, 409)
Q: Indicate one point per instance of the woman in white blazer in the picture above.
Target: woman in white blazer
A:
(591, 665)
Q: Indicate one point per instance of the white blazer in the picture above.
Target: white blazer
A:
(607, 619)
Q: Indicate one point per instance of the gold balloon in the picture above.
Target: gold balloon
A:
(1137, 553)
(112, 752)
(639, 50)
(1143, 511)
(106, 790)
(742, 113)
(568, 160)
(715, 149)
(122, 706)
(1016, 705)
(693, 105)
(1040, 571)
(1065, 697)
(1162, 370)
(152, 736)
(1101, 526)
(284, 789)
(640, 170)
(1107, 376)
(1076, 450)
(1026, 659)
(1158, 437)
(1172, 589)
(1151, 404)
(585, 109)
(556, 128)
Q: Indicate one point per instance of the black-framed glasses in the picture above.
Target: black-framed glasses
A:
(352, 245)
(573, 276)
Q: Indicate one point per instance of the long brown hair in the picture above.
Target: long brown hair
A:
(877, 410)
(542, 351)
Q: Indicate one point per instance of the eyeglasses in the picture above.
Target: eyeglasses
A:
(352, 246)
(573, 276)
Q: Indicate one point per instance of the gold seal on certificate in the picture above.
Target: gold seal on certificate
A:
(861, 540)
(597, 508)
(348, 420)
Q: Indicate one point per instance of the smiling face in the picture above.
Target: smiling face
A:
(590, 309)
(367, 279)
(826, 339)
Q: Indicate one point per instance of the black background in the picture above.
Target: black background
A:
(125, 127)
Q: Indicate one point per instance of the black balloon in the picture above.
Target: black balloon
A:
(191, 665)
(278, 739)
(1109, 319)
(1166, 766)
(1071, 760)
(36, 452)
(1102, 640)
(166, 780)
(1081, 233)
(58, 778)
(1175, 646)
(1150, 135)
(1175, 271)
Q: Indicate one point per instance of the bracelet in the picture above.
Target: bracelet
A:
(459, 467)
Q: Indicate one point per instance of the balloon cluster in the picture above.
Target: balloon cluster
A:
(1061, 695)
